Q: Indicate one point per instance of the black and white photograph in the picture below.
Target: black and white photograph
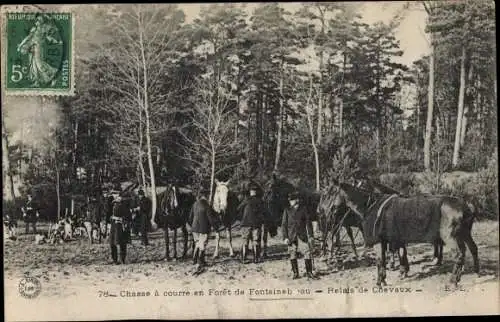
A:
(249, 160)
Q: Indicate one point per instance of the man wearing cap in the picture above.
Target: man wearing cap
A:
(143, 210)
(298, 234)
(119, 235)
(202, 218)
(30, 214)
(252, 220)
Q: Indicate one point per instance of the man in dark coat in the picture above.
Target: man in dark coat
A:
(120, 225)
(298, 235)
(254, 215)
(30, 214)
(202, 218)
(143, 211)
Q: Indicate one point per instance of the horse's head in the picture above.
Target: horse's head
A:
(221, 196)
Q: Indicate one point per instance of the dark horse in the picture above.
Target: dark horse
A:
(378, 187)
(225, 203)
(332, 220)
(390, 219)
(174, 206)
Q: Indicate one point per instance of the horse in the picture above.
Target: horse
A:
(174, 206)
(378, 187)
(391, 219)
(332, 221)
(276, 199)
(225, 204)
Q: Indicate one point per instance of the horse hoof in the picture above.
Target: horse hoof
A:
(168, 259)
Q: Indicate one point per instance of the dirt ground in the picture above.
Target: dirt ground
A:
(76, 268)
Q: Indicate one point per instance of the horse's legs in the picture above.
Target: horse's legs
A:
(473, 250)
(404, 265)
(381, 262)
(337, 239)
(438, 252)
(332, 247)
(217, 241)
(460, 260)
(351, 237)
(174, 242)
(185, 238)
(229, 237)
(167, 242)
(264, 241)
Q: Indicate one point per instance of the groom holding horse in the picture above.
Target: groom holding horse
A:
(298, 235)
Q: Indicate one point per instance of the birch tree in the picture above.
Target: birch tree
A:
(211, 141)
(142, 46)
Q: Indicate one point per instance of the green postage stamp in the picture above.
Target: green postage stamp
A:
(38, 53)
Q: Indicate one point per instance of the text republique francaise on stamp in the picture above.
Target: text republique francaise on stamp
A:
(38, 53)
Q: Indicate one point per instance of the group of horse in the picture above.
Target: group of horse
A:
(383, 216)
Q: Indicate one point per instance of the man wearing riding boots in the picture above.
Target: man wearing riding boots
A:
(298, 235)
(30, 214)
(143, 210)
(202, 218)
(251, 223)
(119, 235)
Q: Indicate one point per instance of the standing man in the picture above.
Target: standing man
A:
(143, 211)
(120, 224)
(30, 213)
(202, 218)
(251, 223)
(93, 216)
(298, 235)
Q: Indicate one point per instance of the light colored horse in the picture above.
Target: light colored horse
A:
(225, 203)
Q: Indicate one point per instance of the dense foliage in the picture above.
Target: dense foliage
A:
(239, 93)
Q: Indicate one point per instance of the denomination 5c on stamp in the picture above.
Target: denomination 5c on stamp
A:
(30, 287)
(39, 53)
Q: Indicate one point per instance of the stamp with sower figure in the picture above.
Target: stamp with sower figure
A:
(38, 53)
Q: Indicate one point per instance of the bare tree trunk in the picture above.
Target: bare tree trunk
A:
(75, 176)
(430, 111)
(461, 94)
(212, 175)
(58, 192)
(280, 122)
(466, 109)
(7, 172)
(147, 119)
(311, 132)
(140, 148)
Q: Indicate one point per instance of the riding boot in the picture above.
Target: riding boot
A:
(114, 254)
(257, 253)
(195, 256)
(295, 269)
(201, 262)
(123, 252)
(243, 253)
(309, 269)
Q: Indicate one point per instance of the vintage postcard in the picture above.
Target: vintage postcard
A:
(249, 160)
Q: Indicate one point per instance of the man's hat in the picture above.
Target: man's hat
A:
(294, 195)
(253, 186)
(204, 191)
